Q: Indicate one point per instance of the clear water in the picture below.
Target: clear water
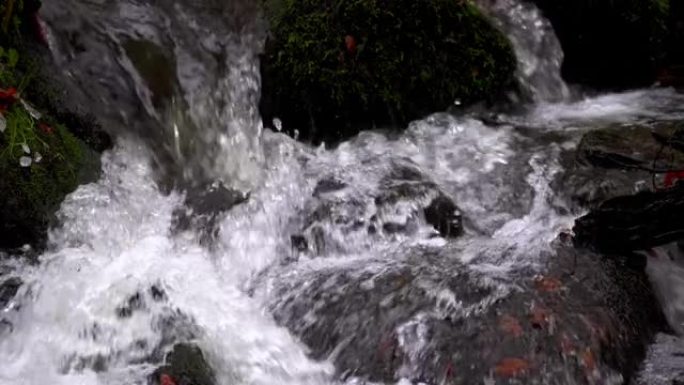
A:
(116, 238)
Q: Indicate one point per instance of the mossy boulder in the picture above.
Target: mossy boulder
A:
(332, 68)
(184, 365)
(40, 163)
(610, 44)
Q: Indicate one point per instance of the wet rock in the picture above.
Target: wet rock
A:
(404, 204)
(8, 289)
(204, 207)
(446, 218)
(426, 317)
(590, 186)
(637, 222)
(184, 365)
(330, 71)
(139, 300)
(328, 185)
(621, 160)
(299, 243)
(158, 294)
(633, 147)
(135, 302)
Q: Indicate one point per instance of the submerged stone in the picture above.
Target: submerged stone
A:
(332, 69)
(204, 206)
(444, 216)
(634, 222)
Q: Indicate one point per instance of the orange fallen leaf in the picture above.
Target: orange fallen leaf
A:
(548, 284)
(511, 367)
(510, 325)
(350, 44)
(588, 360)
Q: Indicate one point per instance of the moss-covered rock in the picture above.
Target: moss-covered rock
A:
(612, 44)
(39, 164)
(184, 365)
(332, 68)
(46, 151)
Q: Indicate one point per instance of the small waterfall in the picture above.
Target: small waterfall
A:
(183, 76)
(331, 264)
(536, 46)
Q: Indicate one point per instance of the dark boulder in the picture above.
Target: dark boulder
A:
(8, 289)
(40, 164)
(331, 69)
(428, 318)
(610, 44)
(184, 365)
(628, 167)
(204, 206)
(634, 147)
(406, 202)
(444, 216)
(621, 160)
(634, 222)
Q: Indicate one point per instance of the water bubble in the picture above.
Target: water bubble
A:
(32, 111)
(3, 123)
(25, 161)
(37, 157)
(278, 124)
(26, 148)
(457, 102)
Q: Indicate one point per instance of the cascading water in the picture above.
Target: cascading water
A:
(536, 46)
(193, 69)
(254, 297)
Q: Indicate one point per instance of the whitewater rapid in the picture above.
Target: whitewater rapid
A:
(115, 239)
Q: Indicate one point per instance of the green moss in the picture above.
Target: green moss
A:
(32, 193)
(412, 57)
(41, 160)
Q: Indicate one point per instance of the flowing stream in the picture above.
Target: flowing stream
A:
(232, 295)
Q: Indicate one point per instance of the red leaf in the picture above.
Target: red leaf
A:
(588, 360)
(510, 325)
(548, 284)
(350, 43)
(9, 93)
(46, 128)
(165, 379)
(672, 177)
